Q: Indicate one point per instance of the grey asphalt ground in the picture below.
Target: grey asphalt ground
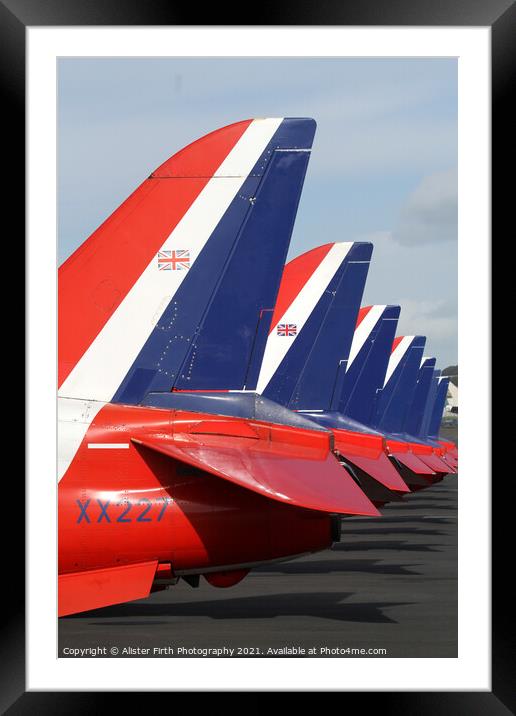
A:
(391, 583)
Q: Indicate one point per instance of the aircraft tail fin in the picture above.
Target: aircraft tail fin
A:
(313, 323)
(429, 407)
(416, 413)
(176, 288)
(400, 381)
(434, 423)
(368, 361)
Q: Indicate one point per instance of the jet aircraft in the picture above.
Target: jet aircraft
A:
(218, 409)
(170, 464)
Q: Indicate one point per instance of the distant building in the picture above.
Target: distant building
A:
(452, 398)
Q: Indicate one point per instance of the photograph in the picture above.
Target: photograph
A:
(255, 257)
(257, 347)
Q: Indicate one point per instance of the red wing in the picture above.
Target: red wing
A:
(435, 463)
(298, 476)
(95, 588)
(413, 463)
(371, 459)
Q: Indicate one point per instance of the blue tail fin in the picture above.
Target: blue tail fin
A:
(313, 324)
(368, 361)
(434, 423)
(210, 332)
(415, 414)
(400, 381)
(429, 407)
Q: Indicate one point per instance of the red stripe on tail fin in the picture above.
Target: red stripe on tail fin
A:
(295, 275)
(96, 278)
(362, 314)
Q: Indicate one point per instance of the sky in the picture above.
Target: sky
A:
(383, 166)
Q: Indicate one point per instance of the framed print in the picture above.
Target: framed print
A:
(400, 166)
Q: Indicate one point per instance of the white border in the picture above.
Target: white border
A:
(471, 671)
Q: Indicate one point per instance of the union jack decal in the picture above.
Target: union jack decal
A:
(287, 329)
(174, 260)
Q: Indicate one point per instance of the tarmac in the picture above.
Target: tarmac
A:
(389, 585)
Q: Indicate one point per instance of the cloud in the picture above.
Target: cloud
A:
(382, 125)
(374, 116)
(427, 318)
(437, 321)
(423, 281)
(430, 214)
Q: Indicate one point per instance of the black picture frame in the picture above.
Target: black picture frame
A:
(500, 15)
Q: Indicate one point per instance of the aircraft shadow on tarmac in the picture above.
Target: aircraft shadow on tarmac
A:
(326, 566)
(434, 506)
(323, 605)
(393, 531)
(357, 521)
(431, 497)
(436, 492)
(393, 545)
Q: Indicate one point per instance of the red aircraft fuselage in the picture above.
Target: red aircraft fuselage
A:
(122, 503)
(129, 504)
